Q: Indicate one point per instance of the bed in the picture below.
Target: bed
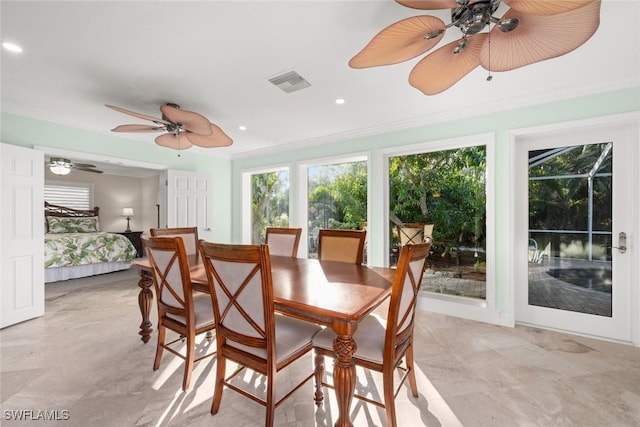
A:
(75, 247)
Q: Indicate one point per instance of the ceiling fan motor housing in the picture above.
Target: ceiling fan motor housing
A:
(473, 18)
(173, 128)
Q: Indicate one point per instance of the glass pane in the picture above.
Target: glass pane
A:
(442, 194)
(337, 199)
(570, 223)
(270, 202)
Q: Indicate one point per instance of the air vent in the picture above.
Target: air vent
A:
(290, 82)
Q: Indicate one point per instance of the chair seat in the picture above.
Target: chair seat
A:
(203, 311)
(369, 338)
(291, 336)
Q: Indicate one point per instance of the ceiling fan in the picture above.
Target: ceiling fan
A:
(183, 128)
(60, 166)
(530, 31)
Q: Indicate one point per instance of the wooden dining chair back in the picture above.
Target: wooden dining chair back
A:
(283, 241)
(178, 309)
(384, 344)
(341, 245)
(248, 332)
(188, 234)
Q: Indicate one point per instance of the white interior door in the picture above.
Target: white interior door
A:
(574, 229)
(189, 198)
(22, 243)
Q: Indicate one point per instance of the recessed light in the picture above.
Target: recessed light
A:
(242, 127)
(340, 101)
(11, 47)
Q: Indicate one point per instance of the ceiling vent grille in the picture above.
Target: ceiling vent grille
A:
(290, 82)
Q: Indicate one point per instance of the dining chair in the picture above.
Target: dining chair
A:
(179, 309)
(383, 344)
(341, 245)
(248, 332)
(188, 234)
(283, 241)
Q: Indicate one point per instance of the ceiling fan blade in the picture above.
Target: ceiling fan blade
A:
(82, 165)
(193, 122)
(139, 115)
(169, 140)
(441, 69)
(399, 42)
(546, 7)
(429, 4)
(217, 138)
(88, 170)
(537, 38)
(137, 128)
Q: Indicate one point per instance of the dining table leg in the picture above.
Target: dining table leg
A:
(344, 374)
(145, 298)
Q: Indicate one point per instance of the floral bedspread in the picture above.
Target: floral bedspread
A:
(72, 249)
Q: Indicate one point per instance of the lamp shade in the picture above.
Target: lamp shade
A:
(127, 211)
(60, 169)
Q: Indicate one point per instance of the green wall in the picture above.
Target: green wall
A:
(499, 124)
(226, 173)
(27, 132)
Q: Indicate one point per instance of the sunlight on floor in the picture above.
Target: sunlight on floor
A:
(430, 408)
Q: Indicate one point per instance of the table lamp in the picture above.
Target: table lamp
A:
(128, 213)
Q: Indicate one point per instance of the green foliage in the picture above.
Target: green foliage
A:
(270, 202)
(559, 188)
(444, 188)
(338, 196)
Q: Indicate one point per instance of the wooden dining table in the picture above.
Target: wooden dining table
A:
(333, 294)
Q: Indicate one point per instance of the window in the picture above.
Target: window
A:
(442, 194)
(74, 196)
(336, 198)
(269, 202)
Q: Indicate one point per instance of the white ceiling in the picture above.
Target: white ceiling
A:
(215, 57)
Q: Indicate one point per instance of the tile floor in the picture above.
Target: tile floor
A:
(85, 360)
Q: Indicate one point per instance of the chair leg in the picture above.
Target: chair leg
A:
(162, 332)
(189, 360)
(319, 376)
(412, 372)
(271, 400)
(389, 401)
(217, 393)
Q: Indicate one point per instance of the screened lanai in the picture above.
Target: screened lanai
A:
(570, 228)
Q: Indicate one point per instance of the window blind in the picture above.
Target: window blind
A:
(70, 196)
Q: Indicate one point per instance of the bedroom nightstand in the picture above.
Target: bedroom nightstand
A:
(136, 238)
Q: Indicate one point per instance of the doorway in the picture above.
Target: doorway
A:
(574, 192)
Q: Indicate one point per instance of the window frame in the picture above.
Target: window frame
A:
(303, 185)
(246, 199)
(464, 307)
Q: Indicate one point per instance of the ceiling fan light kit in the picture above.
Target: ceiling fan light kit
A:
(59, 169)
(60, 166)
(529, 32)
(183, 128)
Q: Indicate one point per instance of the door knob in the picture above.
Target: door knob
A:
(622, 242)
